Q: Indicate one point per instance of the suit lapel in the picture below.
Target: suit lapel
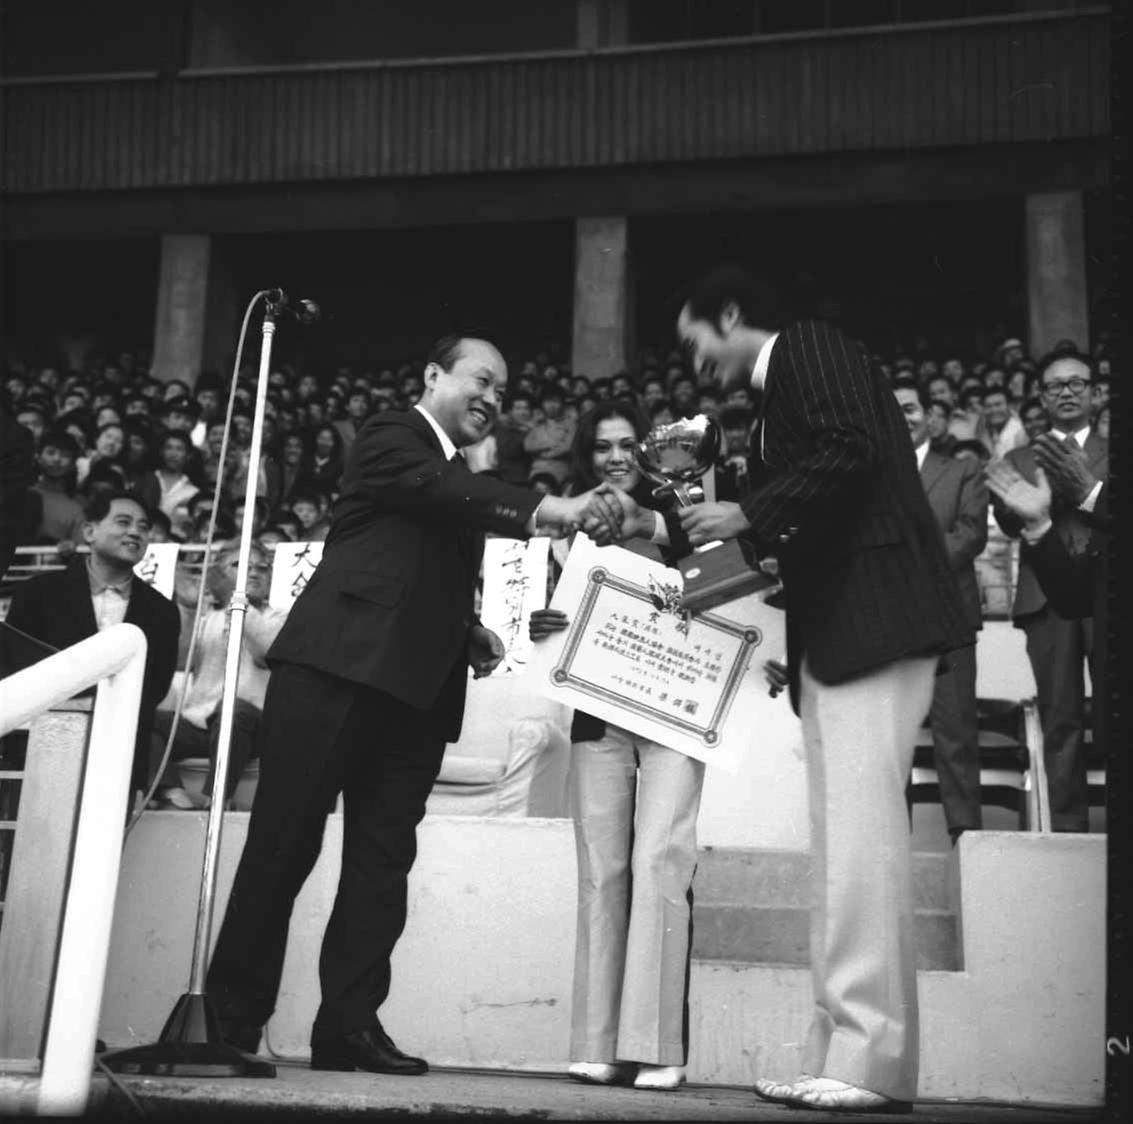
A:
(932, 470)
(78, 593)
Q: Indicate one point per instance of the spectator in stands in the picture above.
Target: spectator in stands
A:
(958, 498)
(198, 732)
(109, 444)
(545, 484)
(1100, 397)
(548, 442)
(635, 804)
(513, 463)
(34, 419)
(1057, 647)
(100, 590)
(732, 478)
(324, 470)
(999, 429)
(292, 467)
(683, 396)
(1032, 415)
(56, 514)
(357, 411)
(1101, 423)
(169, 486)
(970, 449)
(661, 413)
(941, 388)
(1009, 352)
(937, 416)
(17, 474)
(312, 512)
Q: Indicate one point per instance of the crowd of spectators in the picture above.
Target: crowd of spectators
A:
(114, 427)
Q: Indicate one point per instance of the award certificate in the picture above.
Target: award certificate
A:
(632, 657)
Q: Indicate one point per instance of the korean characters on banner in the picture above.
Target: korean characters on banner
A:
(631, 655)
(158, 567)
(515, 583)
(292, 568)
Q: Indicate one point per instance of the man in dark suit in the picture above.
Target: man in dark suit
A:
(958, 498)
(871, 604)
(99, 590)
(367, 685)
(1057, 647)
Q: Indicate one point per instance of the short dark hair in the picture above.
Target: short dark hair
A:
(732, 417)
(906, 383)
(58, 439)
(517, 395)
(972, 446)
(175, 435)
(99, 504)
(551, 390)
(1052, 357)
(709, 294)
(1032, 404)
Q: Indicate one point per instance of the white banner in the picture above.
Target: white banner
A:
(158, 567)
(291, 569)
(515, 582)
(632, 657)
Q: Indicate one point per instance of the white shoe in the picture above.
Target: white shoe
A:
(659, 1077)
(838, 1096)
(175, 797)
(783, 1092)
(599, 1073)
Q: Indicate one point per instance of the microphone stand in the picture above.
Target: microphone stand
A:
(190, 1044)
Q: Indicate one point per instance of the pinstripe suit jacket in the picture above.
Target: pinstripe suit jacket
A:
(865, 574)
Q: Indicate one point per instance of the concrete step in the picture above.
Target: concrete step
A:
(778, 935)
(752, 906)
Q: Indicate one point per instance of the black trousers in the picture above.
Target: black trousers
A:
(322, 735)
(1058, 649)
(956, 740)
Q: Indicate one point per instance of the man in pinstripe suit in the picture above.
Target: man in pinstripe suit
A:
(871, 605)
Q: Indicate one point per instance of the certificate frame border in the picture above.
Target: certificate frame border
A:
(562, 674)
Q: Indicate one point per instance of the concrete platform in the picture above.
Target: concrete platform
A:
(298, 1093)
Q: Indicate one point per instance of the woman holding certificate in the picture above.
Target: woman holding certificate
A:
(635, 805)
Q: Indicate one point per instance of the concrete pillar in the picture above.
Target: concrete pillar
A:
(601, 23)
(1055, 250)
(182, 305)
(601, 315)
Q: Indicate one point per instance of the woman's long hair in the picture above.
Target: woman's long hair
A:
(582, 477)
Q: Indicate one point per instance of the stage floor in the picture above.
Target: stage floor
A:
(299, 1093)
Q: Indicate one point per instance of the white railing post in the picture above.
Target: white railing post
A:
(115, 659)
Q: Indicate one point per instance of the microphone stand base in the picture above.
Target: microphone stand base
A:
(190, 1045)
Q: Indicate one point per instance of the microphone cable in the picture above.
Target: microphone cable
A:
(209, 535)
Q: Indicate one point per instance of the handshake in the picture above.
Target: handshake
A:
(606, 514)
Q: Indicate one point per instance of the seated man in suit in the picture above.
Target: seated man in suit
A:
(367, 684)
(958, 498)
(98, 590)
(1058, 647)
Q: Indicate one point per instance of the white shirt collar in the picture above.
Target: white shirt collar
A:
(922, 451)
(1079, 435)
(762, 362)
(447, 447)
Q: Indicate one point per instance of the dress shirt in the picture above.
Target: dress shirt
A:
(922, 452)
(759, 376)
(109, 600)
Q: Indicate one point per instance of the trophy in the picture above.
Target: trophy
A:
(676, 456)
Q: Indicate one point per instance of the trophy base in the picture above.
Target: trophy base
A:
(714, 577)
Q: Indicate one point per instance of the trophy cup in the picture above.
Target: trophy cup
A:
(676, 456)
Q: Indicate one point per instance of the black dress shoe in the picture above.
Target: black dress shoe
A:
(370, 1049)
(243, 1035)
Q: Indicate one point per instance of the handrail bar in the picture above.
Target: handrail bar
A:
(115, 659)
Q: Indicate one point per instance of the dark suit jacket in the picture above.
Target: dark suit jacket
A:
(1072, 526)
(865, 576)
(1075, 585)
(391, 603)
(56, 609)
(958, 498)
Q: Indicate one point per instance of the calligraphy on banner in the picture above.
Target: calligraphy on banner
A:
(158, 567)
(632, 657)
(292, 568)
(515, 583)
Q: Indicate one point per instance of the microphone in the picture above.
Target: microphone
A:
(305, 311)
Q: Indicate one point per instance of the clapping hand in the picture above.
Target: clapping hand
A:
(1065, 467)
(1030, 502)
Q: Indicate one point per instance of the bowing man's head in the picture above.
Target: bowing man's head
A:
(465, 382)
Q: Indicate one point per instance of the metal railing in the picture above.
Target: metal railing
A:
(115, 660)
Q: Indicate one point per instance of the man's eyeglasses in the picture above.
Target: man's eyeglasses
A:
(1075, 386)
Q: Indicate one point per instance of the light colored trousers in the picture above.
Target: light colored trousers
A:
(635, 805)
(859, 738)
